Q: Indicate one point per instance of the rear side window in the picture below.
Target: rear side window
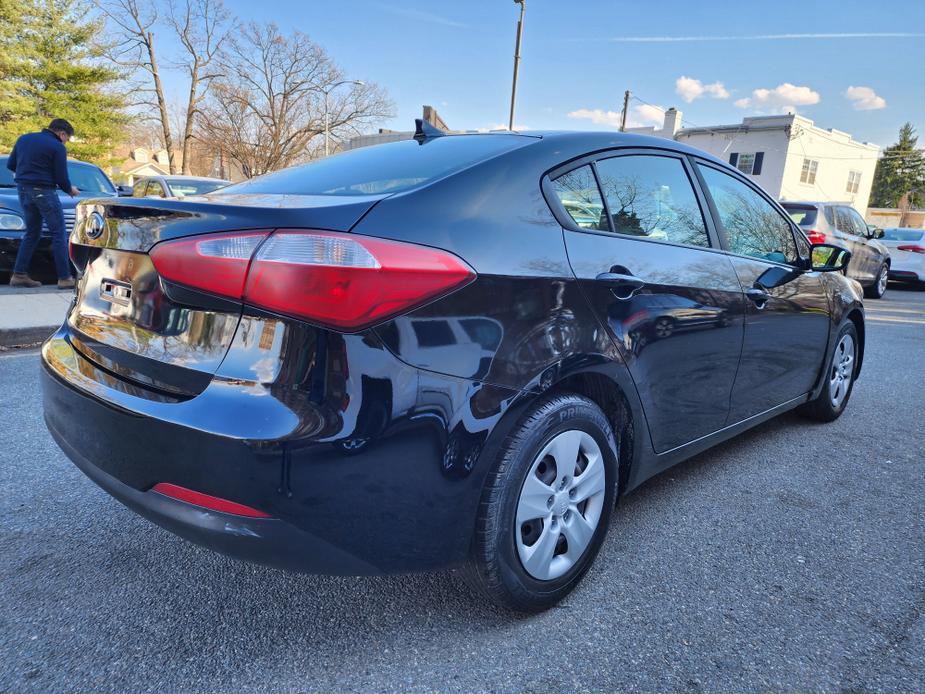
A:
(903, 235)
(753, 226)
(651, 196)
(578, 192)
(802, 215)
(388, 168)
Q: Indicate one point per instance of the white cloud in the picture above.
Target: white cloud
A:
(783, 98)
(639, 116)
(690, 89)
(865, 99)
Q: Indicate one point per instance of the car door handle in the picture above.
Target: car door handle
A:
(758, 296)
(623, 286)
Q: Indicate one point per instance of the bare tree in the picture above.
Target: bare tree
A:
(266, 109)
(132, 28)
(202, 26)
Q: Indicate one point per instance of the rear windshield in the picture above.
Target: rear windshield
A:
(387, 168)
(180, 187)
(801, 214)
(903, 234)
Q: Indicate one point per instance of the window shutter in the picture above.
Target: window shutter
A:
(733, 159)
(759, 158)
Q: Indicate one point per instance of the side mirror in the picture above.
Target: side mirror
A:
(124, 191)
(874, 232)
(828, 258)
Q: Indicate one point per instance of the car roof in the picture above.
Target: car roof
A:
(587, 142)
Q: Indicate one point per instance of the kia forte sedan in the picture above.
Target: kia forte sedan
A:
(413, 356)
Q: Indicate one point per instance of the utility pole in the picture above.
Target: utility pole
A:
(626, 108)
(520, 28)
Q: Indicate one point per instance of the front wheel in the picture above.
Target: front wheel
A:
(878, 288)
(546, 505)
(839, 380)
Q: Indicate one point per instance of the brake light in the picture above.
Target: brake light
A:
(215, 263)
(175, 491)
(914, 248)
(815, 236)
(339, 280)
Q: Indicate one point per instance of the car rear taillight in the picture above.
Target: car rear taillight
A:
(815, 236)
(215, 263)
(215, 503)
(339, 280)
(914, 248)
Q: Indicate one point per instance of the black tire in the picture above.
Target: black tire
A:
(878, 288)
(822, 408)
(494, 568)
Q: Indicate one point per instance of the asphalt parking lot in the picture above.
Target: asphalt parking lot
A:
(790, 558)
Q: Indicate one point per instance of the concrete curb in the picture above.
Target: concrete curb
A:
(22, 337)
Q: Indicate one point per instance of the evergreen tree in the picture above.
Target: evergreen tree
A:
(56, 69)
(14, 66)
(901, 170)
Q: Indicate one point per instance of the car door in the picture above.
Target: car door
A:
(787, 319)
(649, 265)
(852, 235)
(873, 252)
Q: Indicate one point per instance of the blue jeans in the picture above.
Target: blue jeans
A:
(38, 203)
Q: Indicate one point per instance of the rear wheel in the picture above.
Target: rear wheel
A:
(546, 506)
(839, 380)
(878, 288)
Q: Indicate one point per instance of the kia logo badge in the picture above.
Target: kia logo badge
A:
(95, 226)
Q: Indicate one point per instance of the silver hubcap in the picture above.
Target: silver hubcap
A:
(842, 370)
(560, 505)
(881, 281)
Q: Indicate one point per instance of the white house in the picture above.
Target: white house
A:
(789, 156)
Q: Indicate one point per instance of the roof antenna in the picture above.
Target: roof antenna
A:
(423, 130)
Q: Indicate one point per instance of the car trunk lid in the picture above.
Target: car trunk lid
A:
(134, 325)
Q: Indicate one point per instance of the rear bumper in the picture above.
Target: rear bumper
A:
(400, 498)
(267, 541)
(906, 276)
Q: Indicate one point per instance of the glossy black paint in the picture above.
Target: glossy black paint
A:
(370, 450)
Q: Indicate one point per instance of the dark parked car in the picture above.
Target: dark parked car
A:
(410, 356)
(842, 225)
(88, 178)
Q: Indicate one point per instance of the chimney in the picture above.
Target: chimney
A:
(672, 122)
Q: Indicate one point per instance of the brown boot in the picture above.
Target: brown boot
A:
(69, 283)
(21, 279)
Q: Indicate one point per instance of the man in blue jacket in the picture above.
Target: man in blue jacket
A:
(39, 164)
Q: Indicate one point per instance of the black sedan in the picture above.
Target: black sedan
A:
(412, 356)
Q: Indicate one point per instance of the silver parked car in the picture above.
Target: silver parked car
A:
(907, 254)
(840, 224)
(175, 186)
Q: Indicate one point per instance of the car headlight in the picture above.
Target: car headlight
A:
(11, 222)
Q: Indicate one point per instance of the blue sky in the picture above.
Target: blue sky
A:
(579, 57)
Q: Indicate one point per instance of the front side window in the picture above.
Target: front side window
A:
(854, 182)
(753, 226)
(808, 173)
(138, 190)
(155, 189)
(577, 191)
(652, 197)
